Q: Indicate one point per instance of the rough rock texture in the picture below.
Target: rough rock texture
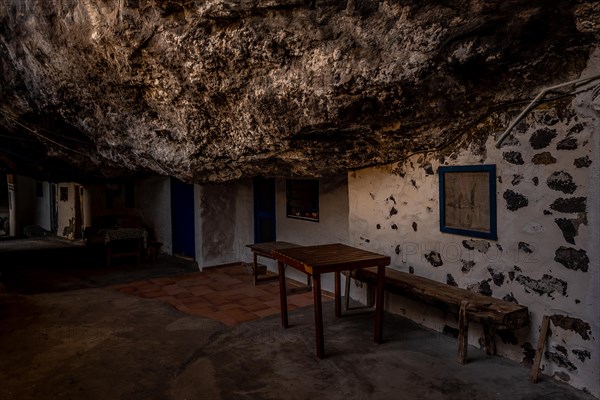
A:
(212, 90)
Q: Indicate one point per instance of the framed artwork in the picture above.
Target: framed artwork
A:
(468, 200)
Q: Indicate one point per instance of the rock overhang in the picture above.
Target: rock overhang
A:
(213, 90)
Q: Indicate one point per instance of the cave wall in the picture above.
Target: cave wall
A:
(546, 255)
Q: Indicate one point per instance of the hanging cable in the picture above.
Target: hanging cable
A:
(538, 99)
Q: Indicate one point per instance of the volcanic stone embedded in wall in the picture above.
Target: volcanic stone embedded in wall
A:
(544, 158)
(568, 143)
(569, 205)
(480, 245)
(577, 128)
(549, 117)
(450, 280)
(582, 354)
(582, 162)
(428, 169)
(497, 277)
(547, 285)
(570, 227)
(560, 360)
(467, 265)
(528, 354)
(572, 324)
(572, 258)
(513, 157)
(482, 287)
(510, 298)
(561, 181)
(434, 258)
(542, 138)
(514, 200)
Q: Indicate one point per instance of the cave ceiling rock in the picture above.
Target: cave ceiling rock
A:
(214, 90)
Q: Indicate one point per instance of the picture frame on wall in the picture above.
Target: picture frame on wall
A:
(468, 200)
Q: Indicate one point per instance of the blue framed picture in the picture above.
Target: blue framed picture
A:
(468, 200)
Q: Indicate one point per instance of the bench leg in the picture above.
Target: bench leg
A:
(489, 335)
(463, 333)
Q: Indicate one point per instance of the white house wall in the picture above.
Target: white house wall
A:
(546, 256)
(66, 211)
(153, 200)
(331, 228)
(224, 222)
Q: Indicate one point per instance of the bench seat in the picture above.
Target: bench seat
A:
(492, 313)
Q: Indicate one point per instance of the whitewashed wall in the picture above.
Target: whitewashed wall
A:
(66, 211)
(546, 255)
(331, 228)
(224, 222)
(153, 205)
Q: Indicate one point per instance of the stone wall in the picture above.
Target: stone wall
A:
(546, 255)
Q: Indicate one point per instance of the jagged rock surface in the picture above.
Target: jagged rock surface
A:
(213, 90)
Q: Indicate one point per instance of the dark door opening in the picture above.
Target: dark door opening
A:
(4, 209)
(182, 219)
(264, 210)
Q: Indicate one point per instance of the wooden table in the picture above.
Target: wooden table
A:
(317, 260)
(266, 250)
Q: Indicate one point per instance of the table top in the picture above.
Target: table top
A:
(268, 247)
(329, 258)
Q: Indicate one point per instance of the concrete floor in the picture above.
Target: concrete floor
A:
(96, 343)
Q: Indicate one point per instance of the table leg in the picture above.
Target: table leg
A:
(318, 315)
(379, 304)
(338, 300)
(282, 294)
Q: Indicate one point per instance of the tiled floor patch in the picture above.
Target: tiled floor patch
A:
(225, 294)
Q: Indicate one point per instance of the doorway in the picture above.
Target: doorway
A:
(264, 210)
(182, 219)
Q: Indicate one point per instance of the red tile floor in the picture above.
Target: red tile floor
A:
(225, 294)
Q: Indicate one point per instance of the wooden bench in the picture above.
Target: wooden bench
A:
(492, 313)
